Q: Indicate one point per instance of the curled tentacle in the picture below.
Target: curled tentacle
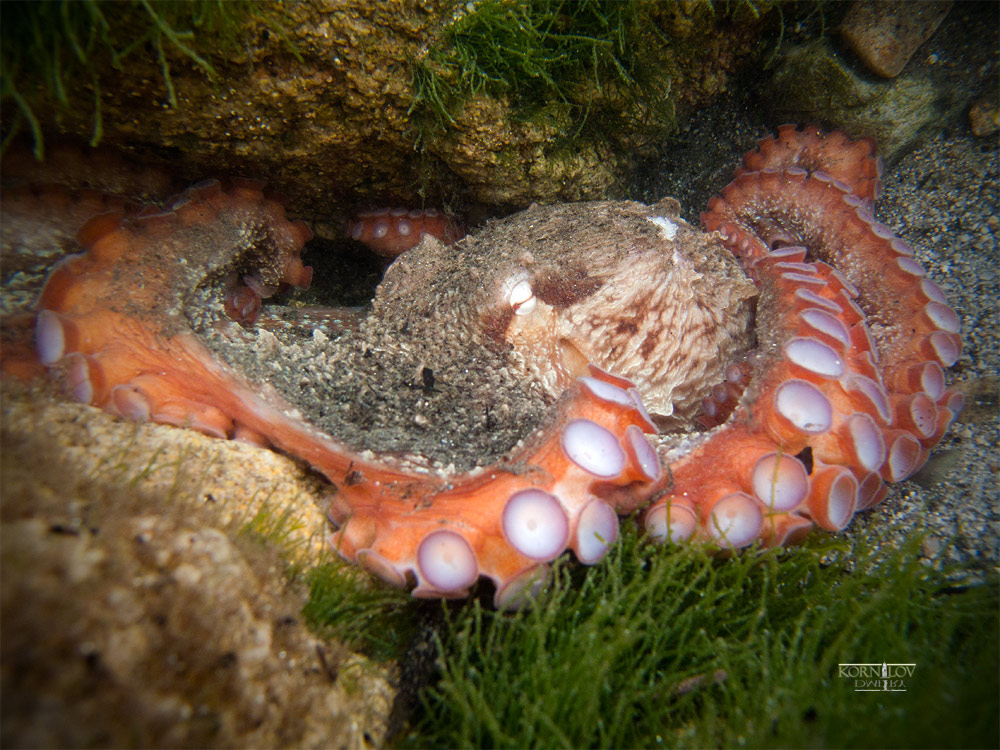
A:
(465, 421)
(117, 324)
(849, 391)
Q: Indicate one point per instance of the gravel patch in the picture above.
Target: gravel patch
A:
(943, 198)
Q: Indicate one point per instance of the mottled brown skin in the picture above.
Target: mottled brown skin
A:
(610, 290)
(443, 368)
(440, 366)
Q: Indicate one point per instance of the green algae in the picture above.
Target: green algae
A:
(49, 49)
(280, 528)
(672, 647)
(588, 67)
(346, 603)
(677, 647)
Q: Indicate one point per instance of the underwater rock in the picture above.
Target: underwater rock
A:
(885, 35)
(814, 83)
(349, 105)
(134, 615)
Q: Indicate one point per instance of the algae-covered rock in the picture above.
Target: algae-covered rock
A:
(341, 104)
(818, 81)
(816, 84)
(506, 162)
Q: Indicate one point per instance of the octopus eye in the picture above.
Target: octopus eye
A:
(522, 298)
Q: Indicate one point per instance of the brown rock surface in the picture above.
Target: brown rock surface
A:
(984, 116)
(886, 33)
(336, 123)
(136, 614)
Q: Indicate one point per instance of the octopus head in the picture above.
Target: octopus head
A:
(630, 288)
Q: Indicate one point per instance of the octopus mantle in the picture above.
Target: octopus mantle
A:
(508, 396)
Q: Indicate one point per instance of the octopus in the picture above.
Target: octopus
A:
(390, 232)
(508, 395)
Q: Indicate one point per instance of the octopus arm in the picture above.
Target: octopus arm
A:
(113, 325)
(391, 232)
(845, 391)
(562, 488)
(848, 390)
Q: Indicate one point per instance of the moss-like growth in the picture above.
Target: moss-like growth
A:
(675, 648)
(598, 64)
(49, 49)
(281, 528)
(346, 603)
